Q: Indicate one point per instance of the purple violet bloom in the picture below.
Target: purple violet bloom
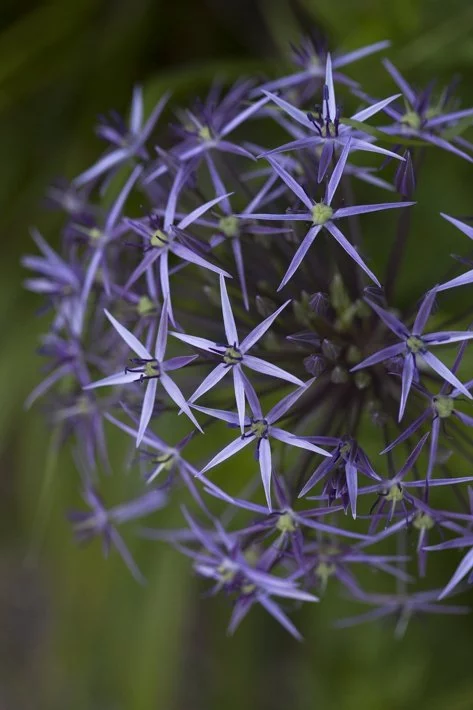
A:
(415, 344)
(235, 355)
(464, 569)
(101, 522)
(150, 368)
(312, 61)
(127, 141)
(330, 134)
(322, 215)
(350, 457)
(260, 429)
(162, 240)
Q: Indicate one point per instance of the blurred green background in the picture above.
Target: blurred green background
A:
(79, 633)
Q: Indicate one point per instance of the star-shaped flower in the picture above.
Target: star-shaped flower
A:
(322, 215)
(151, 368)
(235, 355)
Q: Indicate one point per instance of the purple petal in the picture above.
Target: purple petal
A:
(401, 82)
(153, 117)
(266, 468)
(350, 250)
(132, 342)
(48, 382)
(201, 343)
(337, 173)
(352, 485)
(390, 320)
(238, 256)
(408, 371)
(147, 261)
(147, 409)
(465, 228)
(228, 319)
(365, 209)
(101, 166)
(358, 144)
(465, 418)
(136, 114)
(175, 363)
(374, 108)
(170, 211)
(229, 417)
(292, 440)
(233, 448)
(210, 381)
(380, 356)
(195, 214)
(266, 368)
(218, 184)
(193, 258)
(291, 110)
(444, 372)
(176, 395)
(407, 433)
(465, 566)
(442, 143)
(162, 336)
(424, 312)
(449, 117)
(332, 103)
(278, 614)
(258, 332)
(251, 397)
(285, 217)
(117, 206)
(357, 54)
(283, 406)
(463, 280)
(243, 116)
(300, 254)
(239, 388)
(325, 159)
(292, 184)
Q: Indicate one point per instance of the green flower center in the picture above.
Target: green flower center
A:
(166, 460)
(232, 356)
(321, 213)
(145, 306)
(395, 493)
(159, 239)
(259, 428)
(205, 134)
(324, 570)
(422, 521)
(229, 226)
(95, 234)
(286, 523)
(412, 119)
(152, 369)
(415, 344)
(345, 448)
(443, 405)
(227, 574)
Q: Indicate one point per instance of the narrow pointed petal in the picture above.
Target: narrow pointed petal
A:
(210, 381)
(152, 118)
(162, 336)
(258, 332)
(201, 343)
(358, 54)
(195, 214)
(130, 339)
(117, 206)
(292, 184)
(407, 433)
(285, 217)
(175, 363)
(170, 211)
(374, 108)
(291, 110)
(351, 251)
(285, 404)
(101, 166)
(463, 280)
(424, 312)
(243, 116)
(332, 103)
(296, 441)
(365, 209)
(380, 356)
(136, 114)
(266, 368)
(228, 319)
(233, 448)
(325, 159)
(238, 256)
(444, 372)
(359, 144)
(218, 184)
(147, 409)
(465, 228)
(300, 254)
(401, 82)
(193, 258)
(336, 176)
(393, 323)
(278, 614)
(465, 566)
(408, 371)
(251, 397)
(176, 395)
(147, 261)
(266, 469)
(352, 484)
(120, 378)
(229, 417)
(239, 388)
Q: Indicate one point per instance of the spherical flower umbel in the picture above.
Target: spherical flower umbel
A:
(207, 232)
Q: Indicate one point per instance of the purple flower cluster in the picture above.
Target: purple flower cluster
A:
(210, 268)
